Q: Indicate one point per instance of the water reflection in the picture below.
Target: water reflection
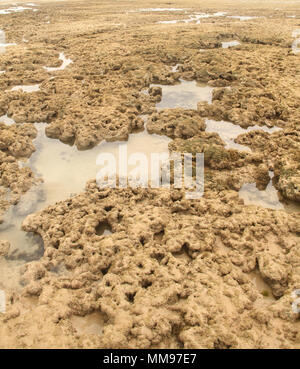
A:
(185, 95)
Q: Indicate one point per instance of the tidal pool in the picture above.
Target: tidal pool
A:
(18, 9)
(194, 18)
(169, 22)
(185, 95)
(229, 132)
(65, 171)
(65, 63)
(174, 68)
(5, 119)
(89, 324)
(228, 44)
(267, 198)
(242, 17)
(26, 88)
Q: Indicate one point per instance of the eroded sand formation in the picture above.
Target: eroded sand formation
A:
(149, 268)
(15, 144)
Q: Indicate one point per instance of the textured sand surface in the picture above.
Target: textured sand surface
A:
(168, 272)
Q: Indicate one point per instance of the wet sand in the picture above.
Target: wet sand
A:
(89, 267)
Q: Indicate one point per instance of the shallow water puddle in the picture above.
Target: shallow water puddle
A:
(169, 22)
(175, 68)
(8, 121)
(65, 63)
(219, 14)
(161, 10)
(18, 9)
(69, 169)
(29, 88)
(23, 246)
(65, 171)
(89, 324)
(229, 131)
(228, 44)
(185, 95)
(198, 16)
(267, 198)
(194, 18)
(242, 17)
